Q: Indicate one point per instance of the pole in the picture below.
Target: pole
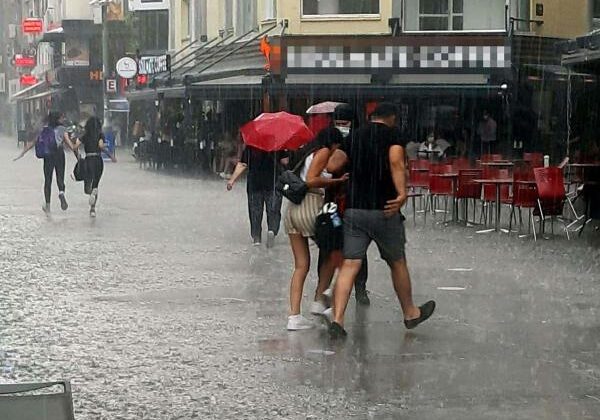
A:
(105, 69)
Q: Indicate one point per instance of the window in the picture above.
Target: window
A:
(340, 7)
(185, 19)
(228, 14)
(523, 13)
(270, 9)
(441, 15)
(246, 16)
(153, 30)
(454, 15)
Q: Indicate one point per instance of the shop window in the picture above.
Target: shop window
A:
(454, 15)
(340, 7)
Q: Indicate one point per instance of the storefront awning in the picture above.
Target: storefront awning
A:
(23, 93)
(141, 95)
(235, 87)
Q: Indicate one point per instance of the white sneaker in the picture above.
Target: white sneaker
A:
(94, 197)
(298, 322)
(270, 239)
(317, 307)
(93, 212)
(328, 293)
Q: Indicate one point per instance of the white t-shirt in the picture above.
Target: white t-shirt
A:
(304, 171)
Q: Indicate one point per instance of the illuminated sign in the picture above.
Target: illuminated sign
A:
(154, 64)
(28, 80)
(33, 26)
(24, 60)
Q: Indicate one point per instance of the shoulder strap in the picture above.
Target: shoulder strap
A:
(310, 151)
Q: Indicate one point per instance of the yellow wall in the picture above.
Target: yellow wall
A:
(562, 18)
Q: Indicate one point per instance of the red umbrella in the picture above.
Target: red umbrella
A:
(276, 131)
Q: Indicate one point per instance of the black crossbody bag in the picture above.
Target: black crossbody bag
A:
(290, 185)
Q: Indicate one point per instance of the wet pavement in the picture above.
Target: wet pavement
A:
(160, 309)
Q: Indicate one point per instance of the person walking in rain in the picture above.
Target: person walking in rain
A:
(54, 159)
(93, 165)
(375, 158)
(263, 169)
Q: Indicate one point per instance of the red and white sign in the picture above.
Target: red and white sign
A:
(111, 85)
(24, 60)
(33, 26)
(28, 80)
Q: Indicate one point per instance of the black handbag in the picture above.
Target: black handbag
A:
(79, 170)
(290, 185)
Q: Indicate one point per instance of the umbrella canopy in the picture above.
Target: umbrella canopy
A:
(271, 132)
(323, 108)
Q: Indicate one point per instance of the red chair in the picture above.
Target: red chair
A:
(439, 186)
(524, 195)
(418, 182)
(461, 163)
(491, 158)
(489, 191)
(551, 196)
(536, 160)
(467, 189)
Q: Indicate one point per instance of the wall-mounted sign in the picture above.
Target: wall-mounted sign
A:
(33, 26)
(127, 68)
(136, 5)
(77, 52)
(154, 64)
(96, 75)
(111, 85)
(28, 80)
(24, 60)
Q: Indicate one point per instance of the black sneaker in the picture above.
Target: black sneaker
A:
(426, 311)
(337, 331)
(63, 202)
(362, 297)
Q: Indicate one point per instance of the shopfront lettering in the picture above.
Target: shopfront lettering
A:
(154, 64)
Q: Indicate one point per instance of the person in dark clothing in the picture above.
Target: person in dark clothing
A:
(263, 169)
(375, 159)
(93, 165)
(55, 162)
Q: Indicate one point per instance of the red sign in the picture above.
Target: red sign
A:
(28, 80)
(33, 26)
(24, 61)
(142, 79)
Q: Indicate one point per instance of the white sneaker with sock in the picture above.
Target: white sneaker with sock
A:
(298, 322)
(317, 307)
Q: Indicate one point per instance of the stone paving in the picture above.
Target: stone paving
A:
(160, 309)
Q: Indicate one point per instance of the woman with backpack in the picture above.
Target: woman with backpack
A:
(92, 165)
(300, 220)
(49, 146)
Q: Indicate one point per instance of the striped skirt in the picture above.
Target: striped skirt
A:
(300, 218)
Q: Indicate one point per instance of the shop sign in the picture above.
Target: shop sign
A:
(154, 64)
(33, 26)
(127, 68)
(96, 75)
(24, 60)
(77, 52)
(28, 80)
(111, 85)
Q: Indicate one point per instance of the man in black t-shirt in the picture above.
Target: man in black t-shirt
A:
(375, 160)
(263, 169)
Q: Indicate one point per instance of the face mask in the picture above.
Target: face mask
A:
(344, 130)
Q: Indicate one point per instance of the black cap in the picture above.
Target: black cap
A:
(344, 112)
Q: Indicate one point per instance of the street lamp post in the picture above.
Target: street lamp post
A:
(105, 68)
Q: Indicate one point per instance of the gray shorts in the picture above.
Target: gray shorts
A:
(363, 226)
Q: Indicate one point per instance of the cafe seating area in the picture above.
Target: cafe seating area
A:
(493, 193)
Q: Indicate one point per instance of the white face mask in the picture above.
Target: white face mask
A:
(344, 130)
